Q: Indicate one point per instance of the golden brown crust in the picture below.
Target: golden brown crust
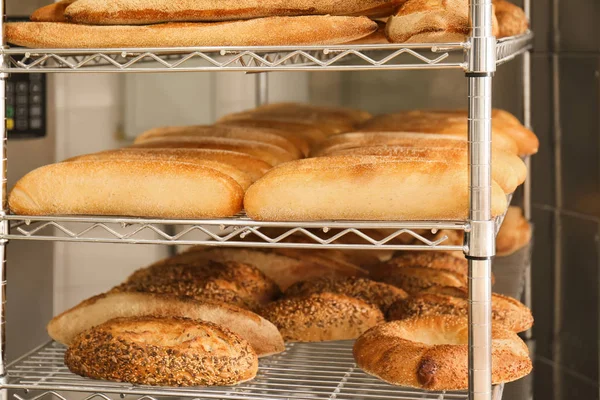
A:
(130, 12)
(140, 188)
(342, 188)
(505, 126)
(508, 170)
(416, 279)
(514, 234)
(331, 120)
(275, 31)
(512, 20)
(377, 293)
(162, 352)
(454, 301)
(321, 317)
(232, 283)
(284, 267)
(432, 353)
(260, 333)
(269, 136)
(54, 12)
(427, 259)
(426, 21)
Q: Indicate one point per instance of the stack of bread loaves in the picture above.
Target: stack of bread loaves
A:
(165, 23)
(182, 172)
(386, 171)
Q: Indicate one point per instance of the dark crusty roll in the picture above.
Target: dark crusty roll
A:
(163, 352)
(322, 317)
(416, 279)
(454, 301)
(380, 294)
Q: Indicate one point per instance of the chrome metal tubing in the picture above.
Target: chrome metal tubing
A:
(262, 89)
(4, 225)
(481, 235)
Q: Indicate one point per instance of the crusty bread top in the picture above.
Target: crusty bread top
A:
(512, 20)
(147, 12)
(54, 12)
(260, 333)
(514, 234)
(274, 31)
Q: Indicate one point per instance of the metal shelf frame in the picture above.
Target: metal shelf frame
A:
(315, 371)
(478, 57)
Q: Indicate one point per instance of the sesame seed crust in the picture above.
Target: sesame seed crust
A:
(321, 317)
(162, 351)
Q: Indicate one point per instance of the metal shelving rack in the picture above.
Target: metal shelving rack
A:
(293, 375)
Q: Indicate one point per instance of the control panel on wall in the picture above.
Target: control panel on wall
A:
(26, 106)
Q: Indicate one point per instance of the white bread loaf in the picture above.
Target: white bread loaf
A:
(253, 167)
(508, 170)
(269, 136)
(269, 153)
(275, 31)
(130, 12)
(364, 188)
(148, 188)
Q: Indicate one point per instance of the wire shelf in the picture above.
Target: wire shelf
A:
(255, 59)
(239, 231)
(314, 371)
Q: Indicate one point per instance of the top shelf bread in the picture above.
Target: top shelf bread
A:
(162, 24)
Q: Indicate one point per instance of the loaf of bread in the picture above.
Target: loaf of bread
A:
(253, 167)
(353, 140)
(322, 317)
(508, 170)
(425, 259)
(163, 352)
(504, 126)
(304, 136)
(168, 155)
(131, 12)
(197, 280)
(432, 353)
(269, 136)
(275, 31)
(284, 267)
(514, 234)
(422, 21)
(416, 279)
(512, 20)
(364, 188)
(269, 153)
(331, 120)
(455, 301)
(380, 294)
(54, 12)
(141, 188)
(260, 333)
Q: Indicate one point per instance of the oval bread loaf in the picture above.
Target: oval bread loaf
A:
(322, 317)
(364, 188)
(417, 279)
(262, 335)
(163, 352)
(140, 188)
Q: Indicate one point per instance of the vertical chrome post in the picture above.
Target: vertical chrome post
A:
(4, 196)
(262, 89)
(481, 65)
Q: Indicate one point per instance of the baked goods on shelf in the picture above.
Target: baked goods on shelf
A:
(128, 12)
(424, 259)
(284, 266)
(245, 164)
(54, 12)
(331, 120)
(262, 335)
(142, 188)
(321, 317)
(364, 188)
(432, 353)
(162, 351)
(505, 126)
(272, 31)
(512, 20)
(229, 282)
(507, 311)
(380, 294)
(515, 232)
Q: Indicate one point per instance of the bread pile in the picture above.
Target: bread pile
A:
(359, 168)
(194, 23)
